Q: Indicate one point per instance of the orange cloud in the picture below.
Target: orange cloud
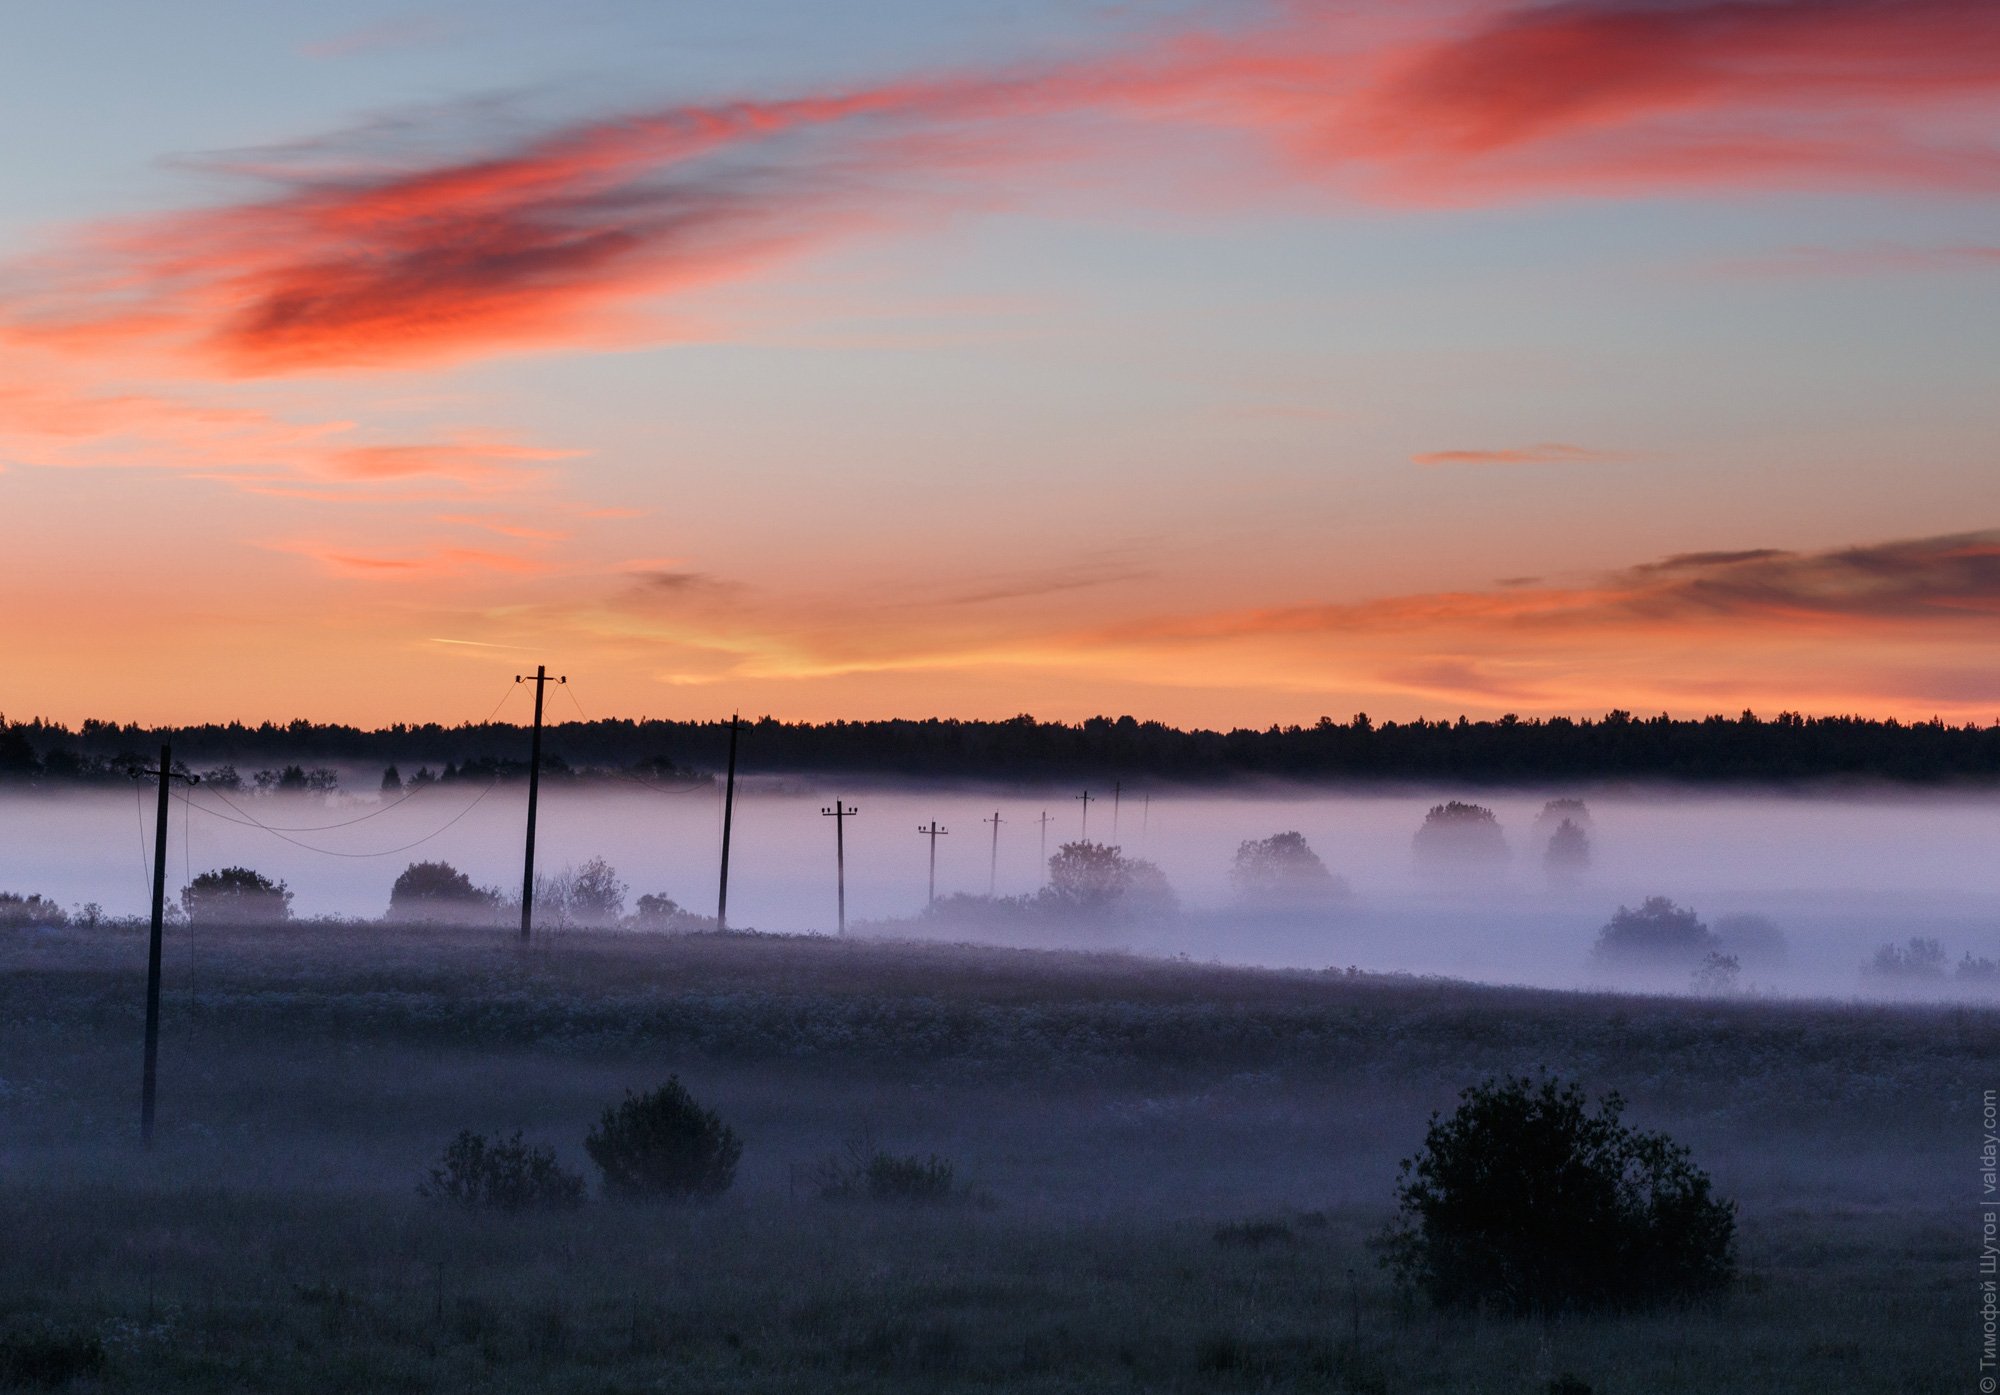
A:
(359, 262)
(485, 463)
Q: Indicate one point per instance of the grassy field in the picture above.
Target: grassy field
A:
(1180, 1166)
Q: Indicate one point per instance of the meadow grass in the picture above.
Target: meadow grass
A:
(1180, 1166)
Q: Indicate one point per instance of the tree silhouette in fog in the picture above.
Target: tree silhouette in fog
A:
(1282, 871)
(439, 891)
(1457, 838)
(1567, 856)
(1657, 933)
(236, 895)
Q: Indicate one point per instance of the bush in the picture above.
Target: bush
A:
(1283, 872)
(439, 891)
(1981, 972)
(1755, 939)
(1717, 974)
(501, 1175)
(659, 911)
(596, 896)
(664, 1145)
(1657, 933)
(1525, 1202)
(18, 912)
(1920, 961)
(238, 896)
(863, 1172)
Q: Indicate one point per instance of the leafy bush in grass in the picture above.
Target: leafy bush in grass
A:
(663, 1145)
(1526, 1202)
(501, 1174)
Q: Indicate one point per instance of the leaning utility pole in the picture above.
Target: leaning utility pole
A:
(936, 830)
(993, 869)
(1117, 792)
(148, 1084)
(728, 812)
(1086, 797)
(541, 680)
(840, 814)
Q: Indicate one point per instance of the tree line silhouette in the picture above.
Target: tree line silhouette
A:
(1789, 746)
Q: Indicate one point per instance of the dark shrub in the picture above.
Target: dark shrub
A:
(1658, 933)
(1525, 1202)
(501, 1175)
(863, 1172)
(439, 891)
(659, 911)
(1717, 974)
(664, 1145)
(238, 896)
(48, 1357)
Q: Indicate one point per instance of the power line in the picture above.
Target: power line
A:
(250, 821)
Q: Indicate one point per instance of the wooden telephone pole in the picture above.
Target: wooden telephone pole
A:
(840, 814)
(1117, 793)
(936, 831)
(993, 868)
(541, 680)
(728, 813)
(1045, 820)
(1086, 797)
(149, 1081)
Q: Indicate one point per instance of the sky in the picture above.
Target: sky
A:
(1223, 364)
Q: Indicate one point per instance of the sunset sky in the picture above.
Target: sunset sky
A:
(1224, 364)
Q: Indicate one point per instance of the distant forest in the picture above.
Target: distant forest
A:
(1509, 750)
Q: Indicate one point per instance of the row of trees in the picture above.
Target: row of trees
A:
(1618, 745)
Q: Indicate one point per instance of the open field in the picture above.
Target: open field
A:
(1114, 1113)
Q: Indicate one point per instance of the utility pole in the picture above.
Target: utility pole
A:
(541, 680)
(1145, 821)
(1086, 797)
(728, 813)
(840, 814)
(149, 1081)
(1045, 820)
(936, 831)
(993, 871)
(1117, 792)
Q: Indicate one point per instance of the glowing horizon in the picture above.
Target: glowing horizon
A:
(1218, 365)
